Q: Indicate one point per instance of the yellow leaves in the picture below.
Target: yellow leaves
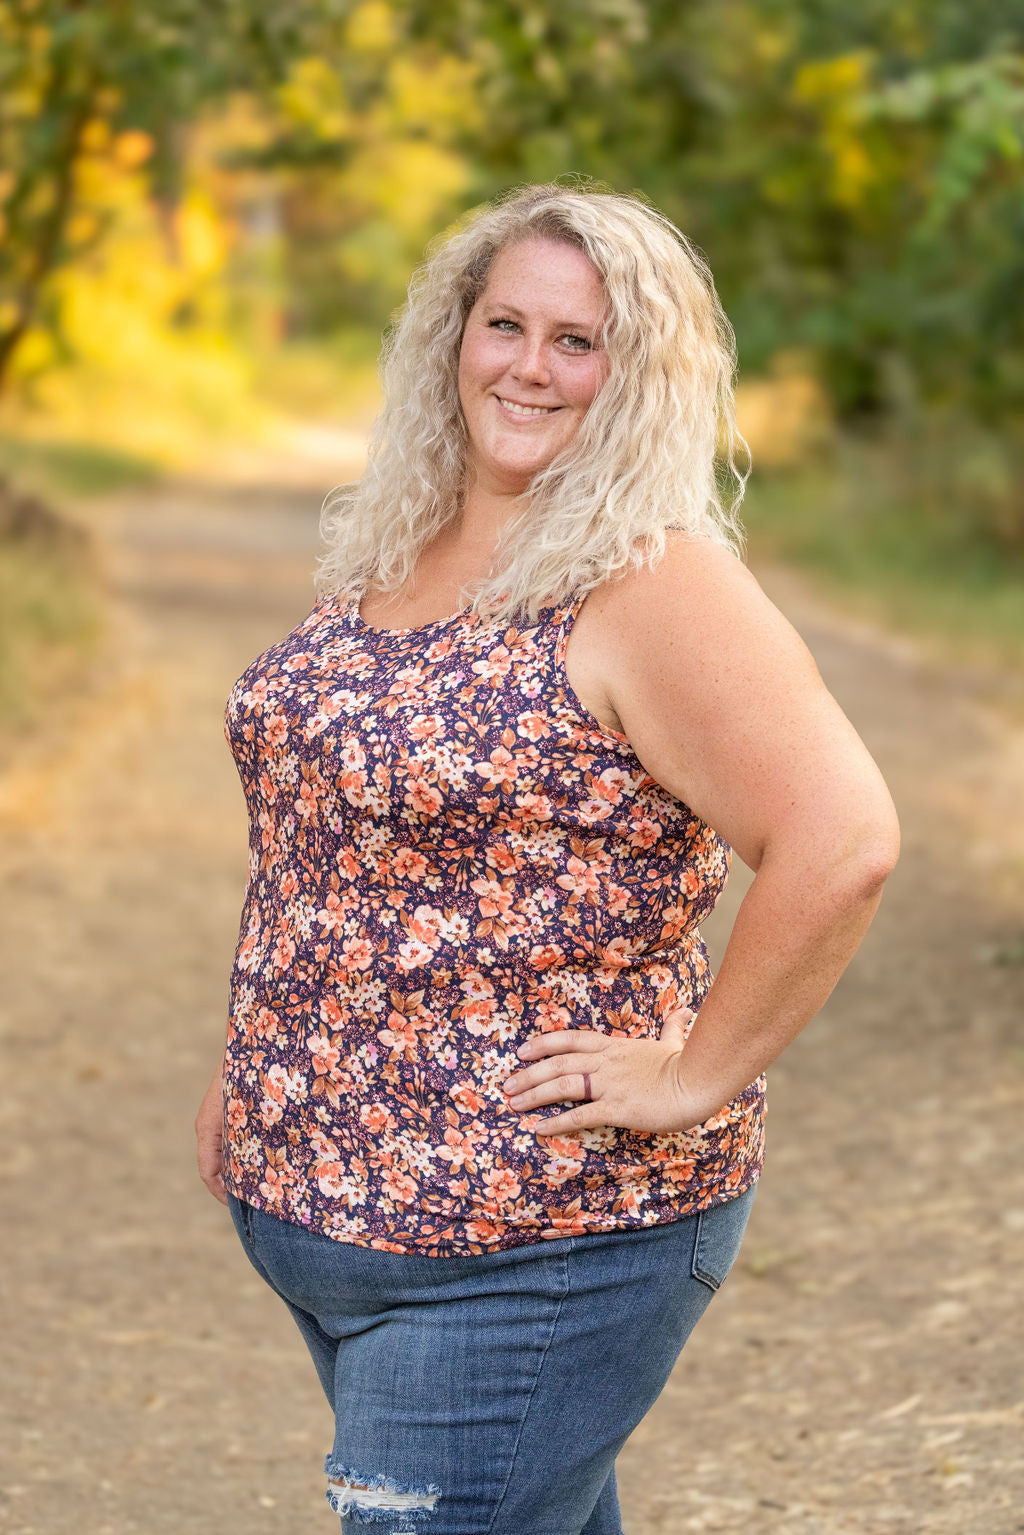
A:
(312, 98)
(771, 44)
(854, 172)
(95, 136)
(81, 228)
(201, 235)
(426, 93)
(836, 88)
(371, 27)
(831, 80)
(133, 148)
(429, 95)
(408, 182)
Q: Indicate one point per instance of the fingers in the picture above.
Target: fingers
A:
(586, 1116)
(540, 1045)
(209, 1155)
(676, 1020)
(561, 1082)
(544, 1062)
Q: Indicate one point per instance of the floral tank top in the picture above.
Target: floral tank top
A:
(448, 854)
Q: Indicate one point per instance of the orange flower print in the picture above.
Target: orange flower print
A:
(375, 1118)
(582, 880)
(544, 955)
(551, 1017)
(533, 807)
(414, 953)
(333, 915)
(399, 1186)
(477, 986)
(502, 1185)
(558, 1169)
(480, 1017)
(324, 1051)
(533, 726)
(271, 1113)
(272, 1187)
(631, 1199)
(484, 1232)
(330, 1011)
(426, 799)
(284, 951)
(501, 769)
(409, 865)
(448, 857)
(493, 898)
(275, 729)
(426, 727)
(356, 954)
(564, 1146)
(306, 804)
(458, 1148)
(334, 1183)
(467, 1098)
(644, 833)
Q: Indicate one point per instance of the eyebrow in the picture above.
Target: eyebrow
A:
(510, 309)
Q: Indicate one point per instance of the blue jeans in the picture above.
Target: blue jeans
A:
(490, 1395)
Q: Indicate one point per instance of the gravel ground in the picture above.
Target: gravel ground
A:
(860, 1371)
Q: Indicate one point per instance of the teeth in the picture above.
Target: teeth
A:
(527, 410)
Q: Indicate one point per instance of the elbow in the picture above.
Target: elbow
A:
(873, 856)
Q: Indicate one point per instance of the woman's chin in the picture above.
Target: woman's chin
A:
(513, 472)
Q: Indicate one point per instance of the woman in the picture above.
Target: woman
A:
(490, 1130)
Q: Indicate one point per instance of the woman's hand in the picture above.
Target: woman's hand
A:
(210, 1139)
(634, 1083)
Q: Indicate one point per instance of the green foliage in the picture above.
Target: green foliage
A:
(854, 170)
(71, 468)
(876, 523)
(71, 72)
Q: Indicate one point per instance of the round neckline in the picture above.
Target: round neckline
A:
(435, 623)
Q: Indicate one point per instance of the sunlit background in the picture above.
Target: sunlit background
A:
(208, 211)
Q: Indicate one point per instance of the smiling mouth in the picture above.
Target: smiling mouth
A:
(527, 410)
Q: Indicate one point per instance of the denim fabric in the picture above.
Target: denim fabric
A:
(490, 1395)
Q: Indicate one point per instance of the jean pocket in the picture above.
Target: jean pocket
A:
(719, 1238)
(241, 1215)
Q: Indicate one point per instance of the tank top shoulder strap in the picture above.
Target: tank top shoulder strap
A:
(564, 617)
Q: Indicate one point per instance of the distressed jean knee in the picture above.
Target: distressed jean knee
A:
(373, 1499)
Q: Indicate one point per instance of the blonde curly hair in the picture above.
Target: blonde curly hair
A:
(643, 460)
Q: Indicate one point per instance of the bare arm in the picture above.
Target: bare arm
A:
(209, 1129)
(724, 706)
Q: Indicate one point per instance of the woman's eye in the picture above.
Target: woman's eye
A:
(501, 324)
(577, 343)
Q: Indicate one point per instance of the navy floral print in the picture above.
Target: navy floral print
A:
(448, 854)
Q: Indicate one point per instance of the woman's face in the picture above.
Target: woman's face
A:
(530, 365)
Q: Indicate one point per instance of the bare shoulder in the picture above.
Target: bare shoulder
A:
(700, 601)
(720, 698)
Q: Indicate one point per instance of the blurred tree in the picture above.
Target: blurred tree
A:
(79, 76)
(854, 169)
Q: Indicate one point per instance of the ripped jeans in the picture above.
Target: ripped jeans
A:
(490, 1395)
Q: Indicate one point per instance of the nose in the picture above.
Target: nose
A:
(530, 363)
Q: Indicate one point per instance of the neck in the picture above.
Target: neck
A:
(484, 515)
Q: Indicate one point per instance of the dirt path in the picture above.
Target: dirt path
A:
(861, 1370)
